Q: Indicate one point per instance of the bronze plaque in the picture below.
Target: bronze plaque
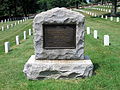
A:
(59, 36)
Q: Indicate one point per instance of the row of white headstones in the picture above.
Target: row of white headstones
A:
(12, 25)
(7, 44)
(87, 12)
(111, 18)
(106, 17)
(9, 19)
(102, 16)
(108, 6)
(101, 9)
(95, 35)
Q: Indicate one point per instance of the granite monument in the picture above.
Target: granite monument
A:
(59, 46)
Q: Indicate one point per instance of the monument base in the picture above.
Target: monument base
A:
(57, 69)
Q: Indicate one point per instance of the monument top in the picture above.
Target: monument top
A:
(59, 34)
(59, 15)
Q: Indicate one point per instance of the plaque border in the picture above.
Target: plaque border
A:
(59, 47)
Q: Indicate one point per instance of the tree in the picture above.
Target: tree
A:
(114, 7)
(28, 6)
(15, 8)
(102, 1)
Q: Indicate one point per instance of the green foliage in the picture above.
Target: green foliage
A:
(17, 7)
(25, 7)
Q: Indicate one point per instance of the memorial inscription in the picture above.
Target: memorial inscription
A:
(59, 36)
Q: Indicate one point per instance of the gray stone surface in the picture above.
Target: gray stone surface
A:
(59, 16)
(57, 69)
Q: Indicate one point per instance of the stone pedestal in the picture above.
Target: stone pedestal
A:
(57, 69)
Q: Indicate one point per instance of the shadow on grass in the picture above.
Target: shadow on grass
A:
(110, 44)
(96, 66)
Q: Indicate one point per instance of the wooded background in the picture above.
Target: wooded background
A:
(17, 8)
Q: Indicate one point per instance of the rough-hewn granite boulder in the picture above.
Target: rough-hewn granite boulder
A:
(57, 69)
(59, 16)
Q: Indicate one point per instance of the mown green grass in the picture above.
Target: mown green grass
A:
(106, 62)
(10, 34)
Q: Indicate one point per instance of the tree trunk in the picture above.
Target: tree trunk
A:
(15, 8)
(114, 7)
(77, 4)
(102, 1)
(10, 12)
(24, 10)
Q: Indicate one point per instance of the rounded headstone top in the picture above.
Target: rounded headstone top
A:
(59, 15)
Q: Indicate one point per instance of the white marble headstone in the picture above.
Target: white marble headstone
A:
(88, 30)
(18, 22)
(7, 26)
(11, 25)
(17, 40)
(118, 19)
(111, 18)
(106, 17)
(95, 34)
(102, 16)
(106, 40)
(109, 10)
(25, 36)
(2, 28)
(1, 21)
(7, 47)
(5, 21)
(30, 32)
(15, 23)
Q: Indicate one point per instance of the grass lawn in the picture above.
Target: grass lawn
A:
(10, 34)
(106, 60)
